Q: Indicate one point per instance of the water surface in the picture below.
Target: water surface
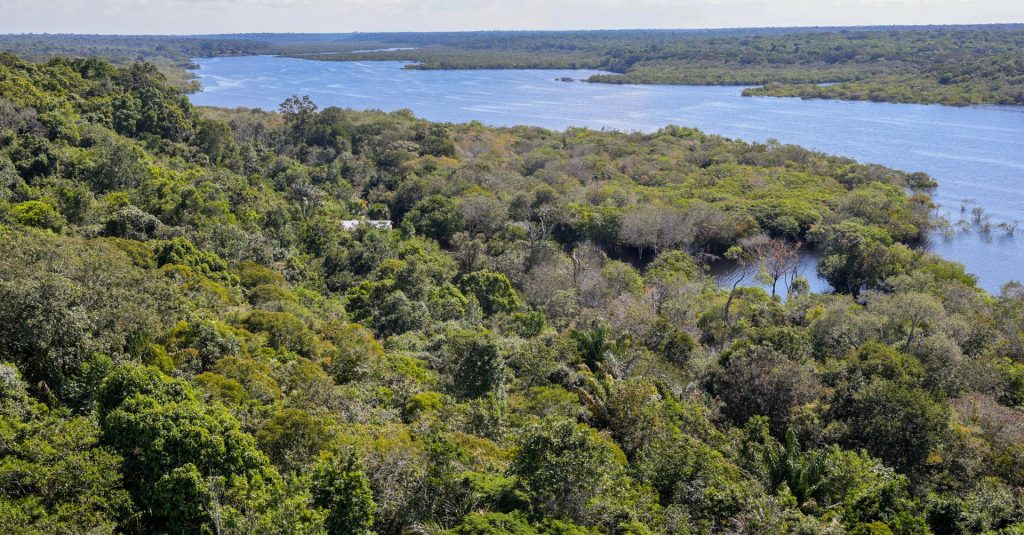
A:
(976, 153)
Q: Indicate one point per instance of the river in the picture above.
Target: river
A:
(975, 153)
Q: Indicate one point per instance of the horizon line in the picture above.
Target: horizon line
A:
(567, 30)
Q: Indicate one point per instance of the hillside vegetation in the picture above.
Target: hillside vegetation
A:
(191, 342)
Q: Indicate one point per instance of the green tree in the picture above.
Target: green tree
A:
(759, 381)
(900, 425)
(189, 460)
(292, 438)
(563, 465)
(857, 256)
(55, 477)
(64, 300)
(180, 251)
(492, 290)
(38, 214)
(340, 486)
(479, 365)
(436, 216)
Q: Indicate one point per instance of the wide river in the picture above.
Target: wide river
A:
(975, 153)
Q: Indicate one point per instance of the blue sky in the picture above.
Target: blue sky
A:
(217, 16)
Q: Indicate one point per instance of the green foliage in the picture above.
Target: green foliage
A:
(54, 475)
(760, 381)
(492, 290)
(180, 251)
(437, 217)
(858, 257)
(900, 425)
(193, 450)
(284, 331)
(292, 439)
(355, 351)
(672, 264)
(204, 346)
(340, 487)
(479, 365)
(38, 214)
(512, 524)
(202, 343)
(64, 300)
(562, 466)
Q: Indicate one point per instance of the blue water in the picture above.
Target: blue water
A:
(976, 153)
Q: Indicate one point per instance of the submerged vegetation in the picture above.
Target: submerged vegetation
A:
(192, 342)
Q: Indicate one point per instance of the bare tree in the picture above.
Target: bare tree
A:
(745, 266)
(774, 258)
(656, 228)
(778, 259)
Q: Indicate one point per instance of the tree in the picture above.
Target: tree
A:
(744, 259)
(132, 223)
(482, 214)
(284, 331)
(178, 449)
(594, 343)
(340, 486)
(355, 351)
(292, 439)
(562, 466)
(492, 290)
(63, 300)
(856, 256)
(181, 251)
(436, 216)
(55, 477)
(910, 316)
(656, 228)
(900, 425)
(398, 314)
(760, 381)
(38, 214)
(215, 139)
(479, 366)
(779, 259)
(512, 524)
(299, 113)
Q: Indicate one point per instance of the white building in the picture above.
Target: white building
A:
(350, 224)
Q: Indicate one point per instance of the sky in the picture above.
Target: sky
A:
(239, 16)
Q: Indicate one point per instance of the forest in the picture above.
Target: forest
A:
(951, 65)
(193, 341)
(171, 55)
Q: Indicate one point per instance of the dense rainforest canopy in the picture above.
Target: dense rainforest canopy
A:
(192, 342)
(954, 65)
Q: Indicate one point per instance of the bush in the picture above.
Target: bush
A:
(38, 214)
